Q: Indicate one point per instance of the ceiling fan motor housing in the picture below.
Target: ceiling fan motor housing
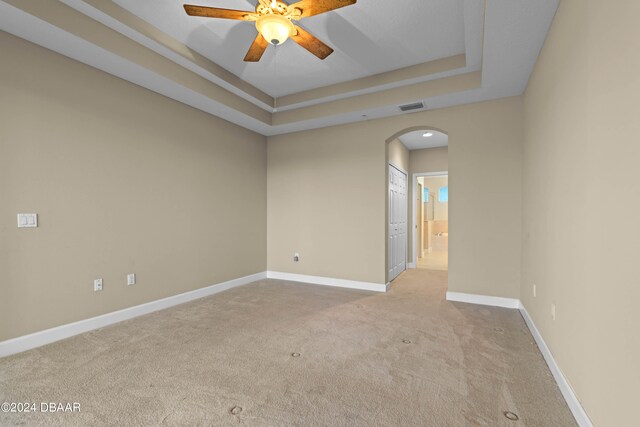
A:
(267, 8)
(276, 29)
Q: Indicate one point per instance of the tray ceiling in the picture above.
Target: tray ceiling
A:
(370, 37)
(439, 52)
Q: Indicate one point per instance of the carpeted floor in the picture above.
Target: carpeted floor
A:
(279, 353)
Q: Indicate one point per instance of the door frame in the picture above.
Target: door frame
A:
(407, 264)
(414, 231)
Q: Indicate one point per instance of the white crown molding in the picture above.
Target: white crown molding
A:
(37, 339)
(328, 281)
(504, 51)
(102, 17)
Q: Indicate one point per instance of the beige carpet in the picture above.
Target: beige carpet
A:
(402, 358)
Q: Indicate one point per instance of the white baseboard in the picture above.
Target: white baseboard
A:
(483, 300)
(567, 392)
(327, 281)
(565, 388)
(411, 265)
(37, 339)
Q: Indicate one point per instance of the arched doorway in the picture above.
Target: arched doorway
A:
(422, 152)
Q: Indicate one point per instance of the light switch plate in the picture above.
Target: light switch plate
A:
(27, 220)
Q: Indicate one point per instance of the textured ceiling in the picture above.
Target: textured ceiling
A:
(369, 37)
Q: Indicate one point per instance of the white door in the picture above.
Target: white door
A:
(397, 222)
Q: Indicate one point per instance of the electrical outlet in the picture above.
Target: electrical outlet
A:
(296, 257)
(97, 285)
(131, 279)
(553, 311)
(534, 290)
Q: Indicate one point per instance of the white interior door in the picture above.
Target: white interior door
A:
(397, 222)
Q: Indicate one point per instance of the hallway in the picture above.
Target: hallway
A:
(436, 260)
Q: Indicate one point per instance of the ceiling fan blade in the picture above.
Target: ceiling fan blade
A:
(215, 12)
(316, 7)
(311, 43)
(256, 50)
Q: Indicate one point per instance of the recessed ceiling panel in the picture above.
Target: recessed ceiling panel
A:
(487, 50)
(370, 37)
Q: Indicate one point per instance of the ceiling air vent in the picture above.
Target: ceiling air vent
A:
(411, 107)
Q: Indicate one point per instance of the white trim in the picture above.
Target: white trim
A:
(411, 265)
(565, 388)
(388, 228)
(483, 300)
(328, 281)
(414, 252)
(400, 169)
(37, 339)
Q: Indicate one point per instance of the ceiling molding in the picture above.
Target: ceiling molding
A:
(15, 21)
(123, 21)
(75, 23)
(390, 79)
(502, 42)
(397, 96)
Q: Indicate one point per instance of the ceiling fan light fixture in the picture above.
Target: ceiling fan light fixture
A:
(275, 29)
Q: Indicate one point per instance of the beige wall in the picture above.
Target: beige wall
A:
(581, 171)
(429, 160)
(127, 181)
(124, 181)
(398, 155)
(326, 201)
(346, 165)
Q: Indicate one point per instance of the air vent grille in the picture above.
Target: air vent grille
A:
(411, 107)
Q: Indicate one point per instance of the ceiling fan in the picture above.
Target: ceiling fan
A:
(274, 22)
